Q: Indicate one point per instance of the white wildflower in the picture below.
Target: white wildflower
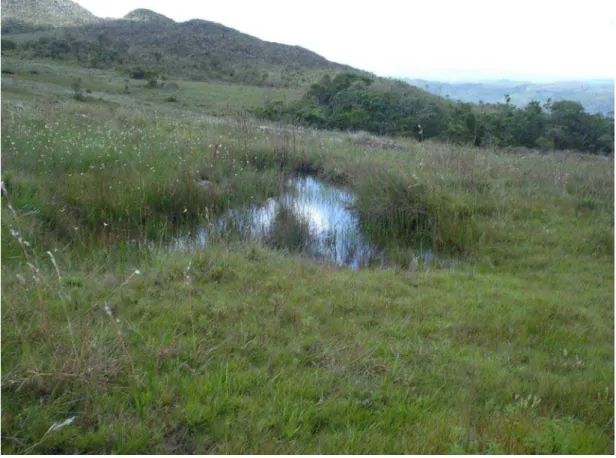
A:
(56, 426)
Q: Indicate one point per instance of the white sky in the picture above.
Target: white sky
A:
(537, 40)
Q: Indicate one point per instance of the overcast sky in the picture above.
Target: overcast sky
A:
(449, 40)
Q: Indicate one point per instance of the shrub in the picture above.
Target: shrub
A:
(140, 73)
(545, 144)
(78, 90)
(8, 45)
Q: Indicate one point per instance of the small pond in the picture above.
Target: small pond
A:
(310, 217)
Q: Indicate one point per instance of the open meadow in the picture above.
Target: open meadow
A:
(506, 346)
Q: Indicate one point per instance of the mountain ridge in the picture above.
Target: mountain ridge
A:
(194, 49)
(597, 96)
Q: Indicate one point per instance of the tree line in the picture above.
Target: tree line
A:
(350, 101)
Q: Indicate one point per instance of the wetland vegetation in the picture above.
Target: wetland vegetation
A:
(135, 322)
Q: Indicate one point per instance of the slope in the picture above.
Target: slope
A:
(27, 15)
(196, 49)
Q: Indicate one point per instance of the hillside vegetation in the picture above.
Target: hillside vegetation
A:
(356, 102)
(146, 45)
(196, 50)
(28, 15)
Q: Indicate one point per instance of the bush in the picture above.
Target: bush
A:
(78, 90)
(545, 144)
(8, 45)
(140, 73)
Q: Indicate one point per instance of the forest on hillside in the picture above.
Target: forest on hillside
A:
(355, 102)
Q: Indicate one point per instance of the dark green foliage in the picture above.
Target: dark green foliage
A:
(352, 101)
(8, 45)
(564, 125)
(78, 90)
(464, 127)
(140, 73)
(100, 52)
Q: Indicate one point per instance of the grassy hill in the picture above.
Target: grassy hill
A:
(196, 49)
(596, 97)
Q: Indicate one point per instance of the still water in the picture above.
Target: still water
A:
(311, 217)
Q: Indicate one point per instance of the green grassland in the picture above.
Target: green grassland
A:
(211, 98)
(238, 348)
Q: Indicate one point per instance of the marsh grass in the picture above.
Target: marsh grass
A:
(289, 231)
(237, 348)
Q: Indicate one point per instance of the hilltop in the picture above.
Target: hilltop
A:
(28, 15)
(145, 15)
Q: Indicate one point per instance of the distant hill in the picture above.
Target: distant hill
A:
(145, 15)
(595, 96)
(196, 49)
(28, 15)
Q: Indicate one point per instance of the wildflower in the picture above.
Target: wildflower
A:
(56, 426)
(36, 273)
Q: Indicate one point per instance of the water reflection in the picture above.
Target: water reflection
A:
(311, 217)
